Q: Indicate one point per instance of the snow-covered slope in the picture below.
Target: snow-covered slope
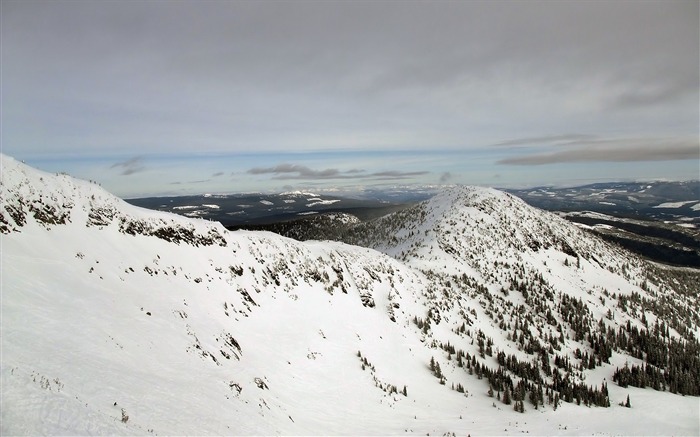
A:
(121, 320)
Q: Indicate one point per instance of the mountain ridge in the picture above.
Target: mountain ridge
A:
(112, 311)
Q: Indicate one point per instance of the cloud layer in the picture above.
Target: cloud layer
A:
(294, 171)
(489, 82)
(623, 150)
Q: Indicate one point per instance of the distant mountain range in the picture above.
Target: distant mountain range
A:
(469, 313)
(677, 202)
(660, 220)
(248, 209)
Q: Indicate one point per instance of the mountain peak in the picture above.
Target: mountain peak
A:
(33, 197)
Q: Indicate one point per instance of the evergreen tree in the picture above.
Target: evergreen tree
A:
(506, 396)
(533, 398)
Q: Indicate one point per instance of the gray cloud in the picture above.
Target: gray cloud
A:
(314, 74)
(445, 177)
(396, 174)
(155, 78)
(294, 171)
(627, 150)
(201, 181)
(545, 140)
(217, 174)
(656, 94)
(130, 166)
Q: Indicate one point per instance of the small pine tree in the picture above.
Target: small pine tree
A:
(506, 396)
(405, 392)
(533, 398)
(490, 391)
(438, 371)
(627, 402)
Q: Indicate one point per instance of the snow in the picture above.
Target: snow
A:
(299, 194)
(603, 226)
(93, 316)
(696, 207)
(674, 204)
(343, 218)
(266, 202)
(595, 215)
(321, 202)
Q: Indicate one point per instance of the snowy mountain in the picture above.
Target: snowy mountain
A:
(674, 202)
(457, 315)
(255, 209)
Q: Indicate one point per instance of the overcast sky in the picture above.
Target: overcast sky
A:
(167, 97)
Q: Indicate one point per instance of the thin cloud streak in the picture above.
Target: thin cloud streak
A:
(294, 171)
(545, 140)
(130, 166)
(615, 151)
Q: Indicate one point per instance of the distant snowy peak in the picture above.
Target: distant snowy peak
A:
(502, 217)
(478, 226)
(31, 196)
(299, 194)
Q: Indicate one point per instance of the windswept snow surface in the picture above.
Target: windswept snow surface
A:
(119, 320)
